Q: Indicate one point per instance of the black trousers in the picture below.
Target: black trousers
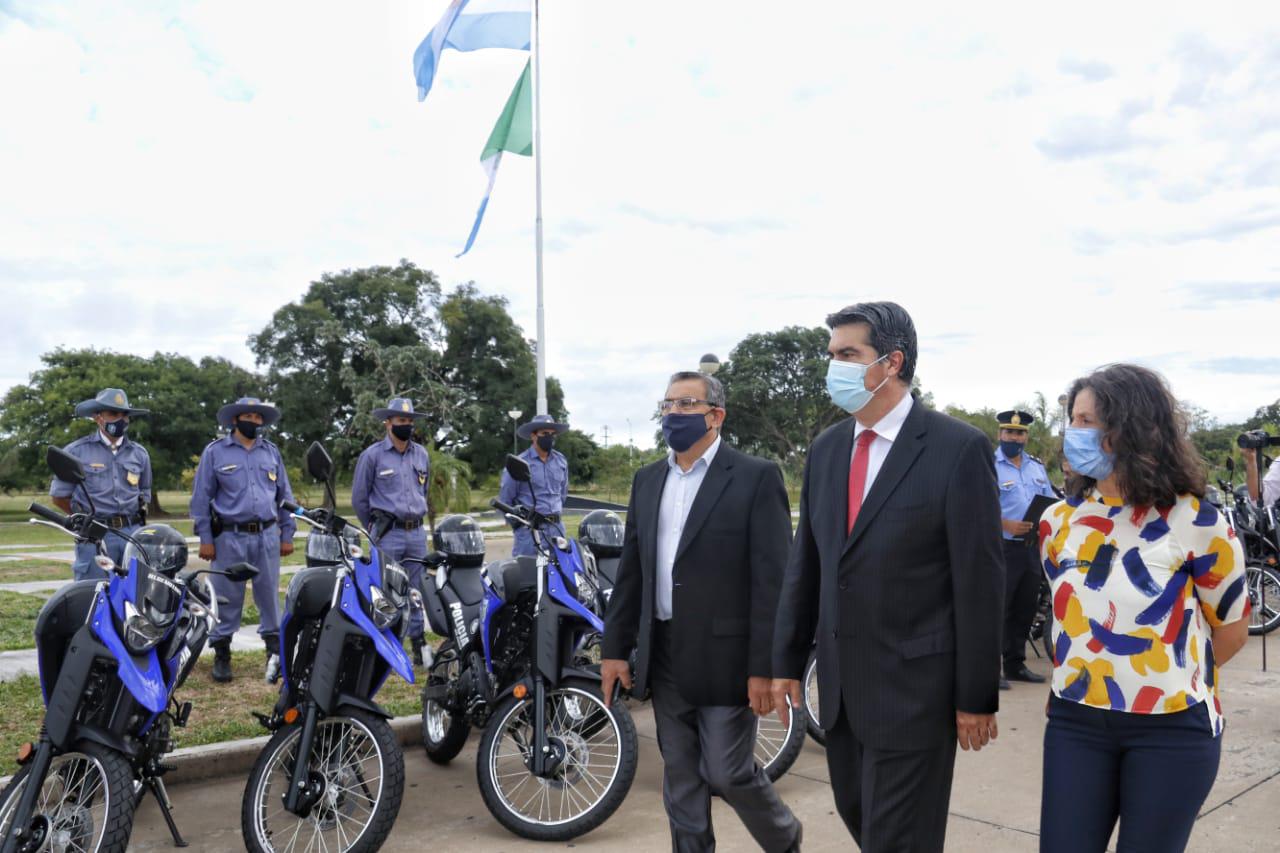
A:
(1151, 772)
(891, 801)
(1021, 589)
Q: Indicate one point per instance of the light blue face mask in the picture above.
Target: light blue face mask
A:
(847, 384)
(1083, 448)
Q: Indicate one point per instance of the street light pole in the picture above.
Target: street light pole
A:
(514, 414)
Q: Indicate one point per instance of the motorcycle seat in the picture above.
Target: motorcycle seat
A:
(514, 576)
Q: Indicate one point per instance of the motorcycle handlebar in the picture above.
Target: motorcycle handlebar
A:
(290, 507)
(505, 507)
(48, 514)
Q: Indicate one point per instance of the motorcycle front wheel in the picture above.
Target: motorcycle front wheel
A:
(358, 763)
(811, 705)
(595, 747)
(443, 734)
(778, 746)
(86, 803)
(1263, 583)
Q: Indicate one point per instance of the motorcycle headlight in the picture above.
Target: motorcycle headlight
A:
(395, 583)
(141, 635)
(382, 610)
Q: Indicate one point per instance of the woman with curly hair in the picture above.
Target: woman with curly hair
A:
(1149, 601)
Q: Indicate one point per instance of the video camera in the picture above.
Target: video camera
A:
(1255, 439)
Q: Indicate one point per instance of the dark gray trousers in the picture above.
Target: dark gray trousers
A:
(710, 749)
(891, 801)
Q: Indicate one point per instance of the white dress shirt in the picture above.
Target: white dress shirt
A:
(886, 430)
(673, 511)
(1271, 484)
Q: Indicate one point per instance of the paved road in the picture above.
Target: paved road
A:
(994, 807)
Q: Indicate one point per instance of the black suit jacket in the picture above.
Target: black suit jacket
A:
(908, 608)
(725, 580)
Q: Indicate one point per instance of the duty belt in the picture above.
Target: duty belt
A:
(407, 523)
(248, 526)
(555, 518)
(115, 522)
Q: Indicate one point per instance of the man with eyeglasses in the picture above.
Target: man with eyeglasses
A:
(703, 554)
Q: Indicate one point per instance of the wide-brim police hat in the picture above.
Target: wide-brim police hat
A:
(108, 400)
(398, 407)
(245, 406)
(540, 422)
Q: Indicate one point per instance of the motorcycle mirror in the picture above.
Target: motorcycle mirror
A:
(319, 465)
(64, 466)
(1231, 465)
(241, 572)
(518, 469)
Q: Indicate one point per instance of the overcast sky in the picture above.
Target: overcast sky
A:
(1044, 192)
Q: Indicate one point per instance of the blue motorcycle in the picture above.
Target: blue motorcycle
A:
(553, 761)
(111, 653)
(332, 775)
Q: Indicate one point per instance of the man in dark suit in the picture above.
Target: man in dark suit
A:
(896, 564)
(703, 554)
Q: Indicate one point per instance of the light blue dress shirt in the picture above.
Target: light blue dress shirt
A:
(678, 493)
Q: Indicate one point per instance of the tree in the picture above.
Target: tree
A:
(317, 349)
(776, 394)
(579, 450)
(183, 396)
(490, 365)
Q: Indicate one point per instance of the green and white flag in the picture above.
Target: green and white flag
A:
(514, 133)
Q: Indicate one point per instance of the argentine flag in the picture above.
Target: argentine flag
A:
(472, 25)
(513, 132)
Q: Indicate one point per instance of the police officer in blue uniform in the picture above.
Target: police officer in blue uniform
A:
(235, 505)
(550, 484)
(389, 494)
(117, 476)
(1021, 477)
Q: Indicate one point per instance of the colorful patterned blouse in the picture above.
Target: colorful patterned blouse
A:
(1133, 589)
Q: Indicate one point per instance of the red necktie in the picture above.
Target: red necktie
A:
(858, 475)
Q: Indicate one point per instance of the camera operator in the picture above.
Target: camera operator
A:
(1250, 443)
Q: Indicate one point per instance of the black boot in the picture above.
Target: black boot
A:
(222, 660)
(272, 642)
(417, 651)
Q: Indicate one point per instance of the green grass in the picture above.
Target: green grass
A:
(18, 571)
(220, 712)
(18, 614)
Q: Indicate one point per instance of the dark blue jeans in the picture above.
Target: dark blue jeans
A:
(1151, 771)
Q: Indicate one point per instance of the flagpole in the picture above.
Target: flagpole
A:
(537, 200)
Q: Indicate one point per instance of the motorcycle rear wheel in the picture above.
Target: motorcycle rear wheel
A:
(812, 704)
(86, 801)
(351, 752)
(1260, 580)
(778, 746)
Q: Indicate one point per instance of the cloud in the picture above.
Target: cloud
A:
(1077, 137)
(1204, 294)
(1091, 71)
(1243, 366)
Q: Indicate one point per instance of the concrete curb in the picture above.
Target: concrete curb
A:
(236, 757)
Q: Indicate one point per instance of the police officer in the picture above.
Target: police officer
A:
(117, 476)
(550, 484)
(1021, 477)
(235, 505)
(389, 493)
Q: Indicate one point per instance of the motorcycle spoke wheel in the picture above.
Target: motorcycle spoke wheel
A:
(347, 757)
(591, 740)
(1264, 585)
(75, 799)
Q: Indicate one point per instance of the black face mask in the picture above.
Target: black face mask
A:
(116, 429)
(546, 442)
(1012, 449)
(404, 432)
(247, 428)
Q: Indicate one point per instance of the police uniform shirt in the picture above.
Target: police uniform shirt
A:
(115, 479)
(392, 482)
(1019, 484)
(549, 482)
(241, 484)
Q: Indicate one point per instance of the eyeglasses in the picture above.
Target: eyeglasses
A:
(684, 405)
